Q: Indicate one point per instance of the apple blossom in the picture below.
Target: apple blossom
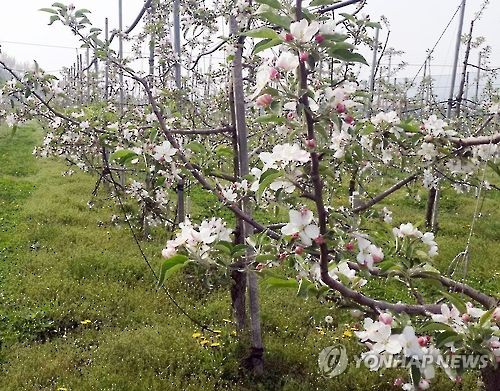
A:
(302, 31)
(427, 151)
(287, 62)
(447, 315)
(301, 223)
(164, 152)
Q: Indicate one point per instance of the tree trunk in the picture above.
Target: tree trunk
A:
(491, 378)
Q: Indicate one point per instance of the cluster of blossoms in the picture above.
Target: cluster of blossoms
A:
(236, 190)
(409, 231)
(368, 253)
(282, 156)
(435, 127)
(388, 338)
(302, 227)
(198, 241)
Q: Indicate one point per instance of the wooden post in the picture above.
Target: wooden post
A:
(257, 348)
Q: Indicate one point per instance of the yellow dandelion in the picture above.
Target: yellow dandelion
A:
(215, 344)
(227, 320)
(347, 333)
(86, 321)
(203, 342)
(217, 331)
(196, 335)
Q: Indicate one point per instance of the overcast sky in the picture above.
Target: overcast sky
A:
(415, 27)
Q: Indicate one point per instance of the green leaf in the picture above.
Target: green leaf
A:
(435, 326)
(49, 10)
(494, 167)
(373, 24)
(451, 338)
(81, 13)
(262, 32)
(485, 317)
(60, 5)
(278, 20)
(171, 266)
(123, 156)
(195, 147)
(266, 44)
(348, 56)
(456, 301)
(415, 375)
(53, 18)
(318, 3)
(266, 182)
(276, 282)
(339, 39)
(269, 118)
(271, 3)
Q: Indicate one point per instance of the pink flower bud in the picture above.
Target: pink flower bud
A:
(428, 137)
(282, 256)
(289, 37)
(311, 143)
(385, 318)
(260, 266)
(459, 379)
(377, 258)
(349, 246)
(304, 210)
(295, 235)
(291, 116)
(303, 56)
(495, 344)
(349, 119)
(274, 74)
(398, 382)
(340, 108)
(496, 314)
(320, 240)
(423, 384)
(319, 38)
(423, 341)
(299, 250)
(264, 100)
(466, 317)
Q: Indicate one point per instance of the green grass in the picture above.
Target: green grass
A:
(79, 309)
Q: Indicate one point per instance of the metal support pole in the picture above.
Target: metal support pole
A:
(177, 42)
(478, 77)
(455, 61)
(434, 194)
(373, 69)
(106, 68)
(87, 65)
(120, 52)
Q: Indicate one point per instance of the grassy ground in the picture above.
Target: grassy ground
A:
(79, 309)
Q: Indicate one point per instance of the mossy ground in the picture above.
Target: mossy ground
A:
(79, 309)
